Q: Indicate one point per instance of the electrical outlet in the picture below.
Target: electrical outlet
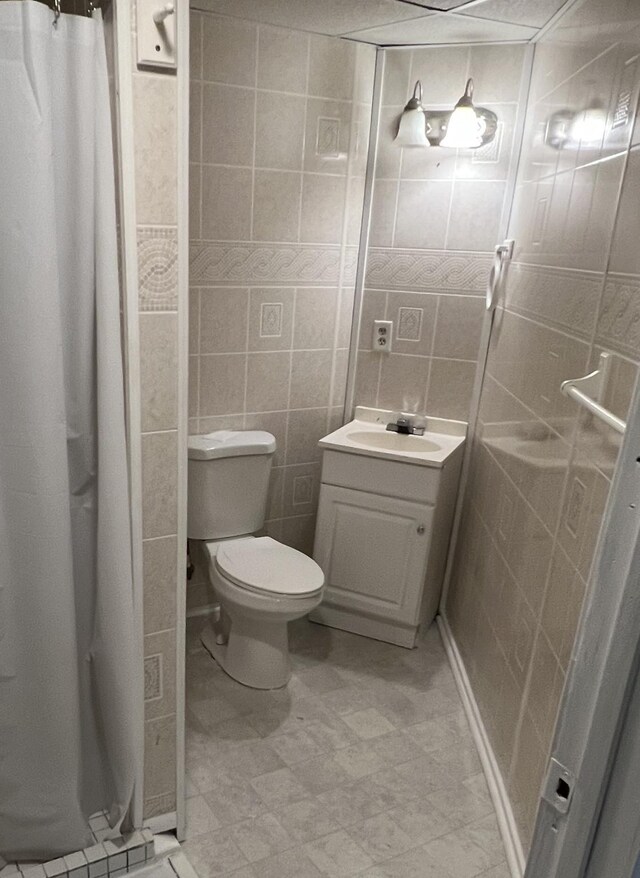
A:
(382, 335)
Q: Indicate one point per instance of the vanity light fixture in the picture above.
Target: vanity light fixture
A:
(464, 127)
(412, 130)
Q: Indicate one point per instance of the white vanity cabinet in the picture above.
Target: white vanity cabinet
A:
(381, 537)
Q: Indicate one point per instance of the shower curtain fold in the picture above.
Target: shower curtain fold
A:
(68, 675)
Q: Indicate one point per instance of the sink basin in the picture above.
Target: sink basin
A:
(393, 441)
(367, 436)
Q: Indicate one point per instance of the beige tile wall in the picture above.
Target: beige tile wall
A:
(542, 467)
(436, 216)
(279, 132)
(156, 169)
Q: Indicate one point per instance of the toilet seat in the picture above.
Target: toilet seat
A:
(263, 565)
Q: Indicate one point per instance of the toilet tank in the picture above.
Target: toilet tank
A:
(228, 483)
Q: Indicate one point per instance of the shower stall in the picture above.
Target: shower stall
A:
(92, 426)
(561, 183)
(70, 675)
(541, 464)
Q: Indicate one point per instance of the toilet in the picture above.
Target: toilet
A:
(260, 583)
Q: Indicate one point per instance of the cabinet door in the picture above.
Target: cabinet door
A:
(373, 551)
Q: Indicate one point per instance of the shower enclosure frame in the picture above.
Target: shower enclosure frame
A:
(591, 715)
(125, 159)
(607, 651)
(183, 111)
(607, 648)
(122, 12)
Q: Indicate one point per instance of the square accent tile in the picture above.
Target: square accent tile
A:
(409, 324)
(153, 677)
(328, 137)
(271, 320)
(302, 490)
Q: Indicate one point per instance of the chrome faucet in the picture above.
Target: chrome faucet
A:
(407, 425)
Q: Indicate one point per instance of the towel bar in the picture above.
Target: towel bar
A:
(589, 391)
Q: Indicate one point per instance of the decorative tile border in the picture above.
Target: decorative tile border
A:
(108, 858)
(157, 268)
(560, 297)
(427, 270)
(619, 320)
(253, 264)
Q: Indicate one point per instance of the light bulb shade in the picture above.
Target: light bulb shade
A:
(464, 129)
(412, 130)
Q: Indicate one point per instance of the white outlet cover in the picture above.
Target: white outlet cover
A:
(382, 335)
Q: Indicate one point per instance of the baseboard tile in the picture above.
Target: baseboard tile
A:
(497, 789)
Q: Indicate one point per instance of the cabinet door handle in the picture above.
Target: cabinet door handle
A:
(420, 529)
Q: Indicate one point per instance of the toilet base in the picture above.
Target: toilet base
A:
(256, 653)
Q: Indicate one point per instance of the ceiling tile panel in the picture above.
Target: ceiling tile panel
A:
(534, 13)
(332, 17)
(399, 22)
(440, 5)
(435, 28)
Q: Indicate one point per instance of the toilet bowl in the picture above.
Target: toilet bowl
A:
(261, 585)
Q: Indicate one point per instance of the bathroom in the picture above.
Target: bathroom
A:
(376, 656)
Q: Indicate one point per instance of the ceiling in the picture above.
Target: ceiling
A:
(399, 22)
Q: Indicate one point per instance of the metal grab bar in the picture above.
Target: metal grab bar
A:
(594, 407)
(589, 391)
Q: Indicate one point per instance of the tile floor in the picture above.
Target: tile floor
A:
(363, 766)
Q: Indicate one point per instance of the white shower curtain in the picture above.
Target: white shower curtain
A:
(67, 669)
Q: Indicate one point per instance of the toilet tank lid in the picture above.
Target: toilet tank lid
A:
(230, 443)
